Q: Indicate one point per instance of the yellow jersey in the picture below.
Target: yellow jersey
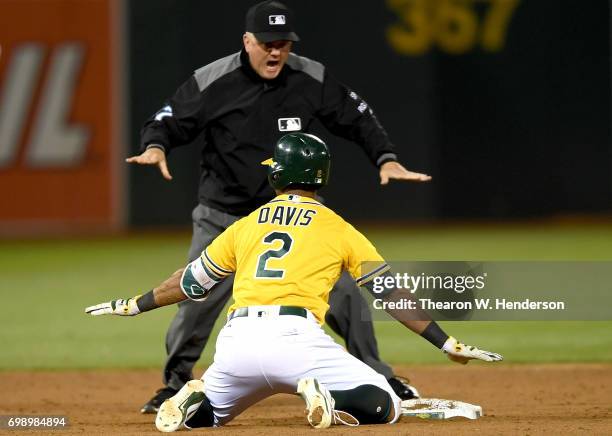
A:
(290, 251)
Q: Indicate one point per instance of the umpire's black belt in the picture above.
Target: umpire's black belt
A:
(282, 310)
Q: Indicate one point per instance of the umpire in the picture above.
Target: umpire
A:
(239, 106)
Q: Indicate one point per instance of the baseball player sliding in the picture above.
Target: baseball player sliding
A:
(286, 256)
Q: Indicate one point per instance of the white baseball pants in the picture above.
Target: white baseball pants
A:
(265, 353)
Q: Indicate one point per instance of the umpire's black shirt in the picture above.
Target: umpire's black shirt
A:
(241, 116)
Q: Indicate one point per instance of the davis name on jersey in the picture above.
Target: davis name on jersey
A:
(276, 262)
(285, 216)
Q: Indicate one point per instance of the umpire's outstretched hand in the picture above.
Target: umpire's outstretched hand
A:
(153, 156)
(395, 170)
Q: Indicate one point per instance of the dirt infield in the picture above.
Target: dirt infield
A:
(525, 399)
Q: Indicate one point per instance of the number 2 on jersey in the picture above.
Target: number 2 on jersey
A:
(262, 271)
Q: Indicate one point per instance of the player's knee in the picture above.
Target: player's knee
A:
(204, 416)
(369, 404)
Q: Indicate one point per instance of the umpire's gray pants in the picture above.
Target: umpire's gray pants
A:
(193, 323)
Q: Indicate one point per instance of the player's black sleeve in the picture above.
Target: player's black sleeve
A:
(347, 115)
(180, 120)
(376, 287)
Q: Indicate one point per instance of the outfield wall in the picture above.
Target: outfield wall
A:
(61, 115)
(505, 102)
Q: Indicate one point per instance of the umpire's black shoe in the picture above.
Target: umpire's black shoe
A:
(152, 406)
(403, 388)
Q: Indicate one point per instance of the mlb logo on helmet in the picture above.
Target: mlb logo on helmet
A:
(276, 20)
(289, 124)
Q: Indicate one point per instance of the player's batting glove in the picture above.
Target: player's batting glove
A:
(116, 307)
(461, 353)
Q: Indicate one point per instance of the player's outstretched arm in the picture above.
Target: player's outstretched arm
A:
(396, 171)
(421, 323)
(168, 292)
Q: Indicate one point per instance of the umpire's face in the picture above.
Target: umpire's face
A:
(267, 58)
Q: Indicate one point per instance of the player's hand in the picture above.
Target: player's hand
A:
(461, 353)
(120, 307)
(153, 156)
(395, 170)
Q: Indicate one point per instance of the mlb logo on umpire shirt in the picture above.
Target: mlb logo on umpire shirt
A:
(277, 20)
(289, 124)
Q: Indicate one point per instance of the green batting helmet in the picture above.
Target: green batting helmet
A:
(299, 158)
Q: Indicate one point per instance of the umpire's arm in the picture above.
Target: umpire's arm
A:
(347, 115)
(177, 123)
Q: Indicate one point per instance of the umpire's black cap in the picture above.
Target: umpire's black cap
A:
(271, 21)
